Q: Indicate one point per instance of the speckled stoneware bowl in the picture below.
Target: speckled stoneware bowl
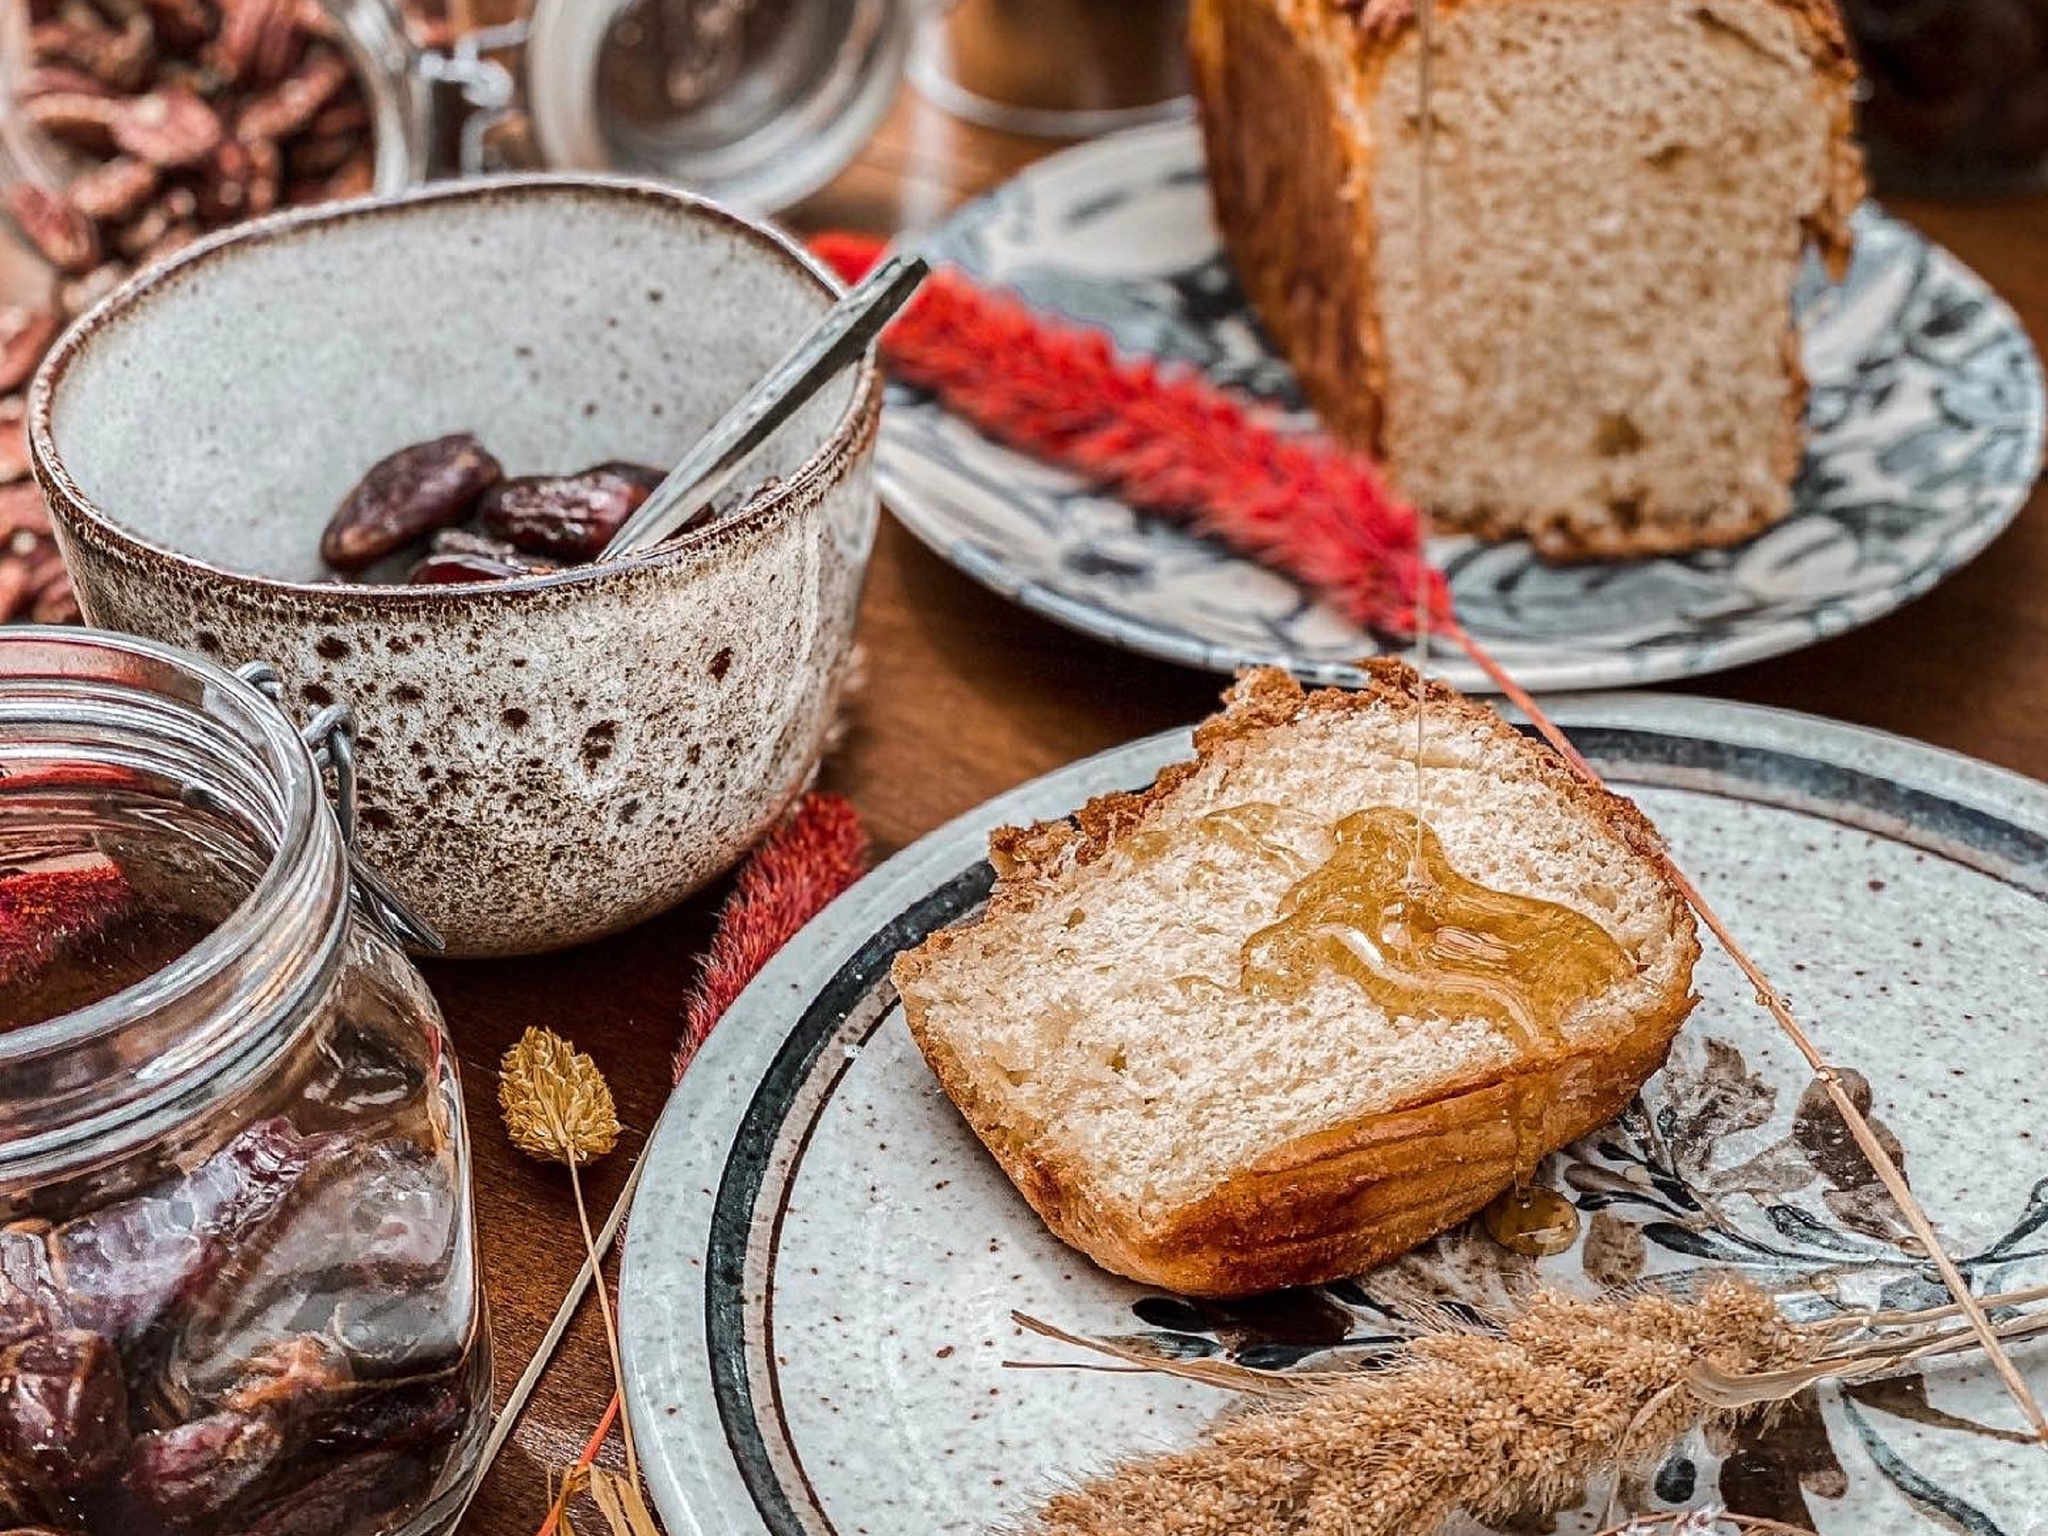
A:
(543, 760)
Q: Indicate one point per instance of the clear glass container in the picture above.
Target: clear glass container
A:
(1955, 95)
(1065, 69)
(238, 1280)
(756, 103)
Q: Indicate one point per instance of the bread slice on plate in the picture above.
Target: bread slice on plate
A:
(1601, 352)
(1190, 1037)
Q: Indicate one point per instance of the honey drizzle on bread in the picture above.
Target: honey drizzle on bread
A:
(1225, 1149)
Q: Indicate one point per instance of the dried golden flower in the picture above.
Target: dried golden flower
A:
(557, 1105)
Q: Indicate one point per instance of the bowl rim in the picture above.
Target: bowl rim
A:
(855, 427)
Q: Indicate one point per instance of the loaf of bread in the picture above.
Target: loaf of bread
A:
(1601, 354)
(1162, 1029)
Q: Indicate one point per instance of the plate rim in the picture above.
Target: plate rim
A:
(1141, 637)
(665, 1342)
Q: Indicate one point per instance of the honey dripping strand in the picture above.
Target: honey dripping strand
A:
(1827, 1075)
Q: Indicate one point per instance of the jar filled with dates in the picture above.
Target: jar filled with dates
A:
(238, 1281)
(1955, 94)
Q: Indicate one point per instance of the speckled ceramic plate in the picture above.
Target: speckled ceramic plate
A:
(1925, 435)
(823, 1260)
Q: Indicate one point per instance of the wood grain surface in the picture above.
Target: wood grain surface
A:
(967, 696)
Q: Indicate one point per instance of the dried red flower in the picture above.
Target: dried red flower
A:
(41, 911)
(818, 851)
(1165, 440)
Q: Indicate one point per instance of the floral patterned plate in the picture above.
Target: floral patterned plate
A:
(822, 1260)
(1925, 430)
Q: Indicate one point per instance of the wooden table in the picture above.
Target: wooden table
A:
(968, 695)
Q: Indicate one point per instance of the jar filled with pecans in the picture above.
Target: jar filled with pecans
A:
(128, 129)
(132, 127)
(238, 1283)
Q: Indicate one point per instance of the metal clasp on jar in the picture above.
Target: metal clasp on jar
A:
(330, 736)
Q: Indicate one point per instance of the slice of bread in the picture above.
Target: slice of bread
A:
(1604, 357)
(1188, 1131)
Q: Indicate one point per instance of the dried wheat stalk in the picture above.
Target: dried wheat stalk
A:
(1827, 1074)
(1522, 1420)
(1487, 1425)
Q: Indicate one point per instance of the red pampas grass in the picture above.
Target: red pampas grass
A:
(818, 851)
(44, 910)
(1165, 441)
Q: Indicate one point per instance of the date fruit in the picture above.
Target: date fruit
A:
(63, 1409)
(525, 526)
(459, 555)
(571, 517)
(407, 496)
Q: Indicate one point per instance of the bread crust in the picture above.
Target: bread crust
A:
(1356, 1194)
(1283, 87)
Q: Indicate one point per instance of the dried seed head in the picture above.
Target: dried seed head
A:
(1490, 1425)
(557, 1105)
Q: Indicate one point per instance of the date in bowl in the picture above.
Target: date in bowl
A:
(545, 759)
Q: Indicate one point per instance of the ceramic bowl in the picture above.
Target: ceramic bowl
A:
(543, 760)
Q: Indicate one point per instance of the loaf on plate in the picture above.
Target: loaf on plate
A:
(1099, 1029)
(1622, 190)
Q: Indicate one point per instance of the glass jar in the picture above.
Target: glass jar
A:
(756, 103)
(1955, 94)
(238, 1281)
(1063, 69)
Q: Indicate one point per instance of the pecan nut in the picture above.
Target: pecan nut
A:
(79, 294)
(181, 23)
(77, 118)
(244, 24)
(293, 103)
(120, 59)
(55, 602)
(24, 519)
(169, 128)
(13, 440)
(114, 190)
(407, 496)
(57, 80)
(65, 236)
(25, 335)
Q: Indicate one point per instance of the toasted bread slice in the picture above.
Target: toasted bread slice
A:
(1182, 1128)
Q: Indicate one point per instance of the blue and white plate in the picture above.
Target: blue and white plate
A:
(823, 1260)
(1925, 436)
